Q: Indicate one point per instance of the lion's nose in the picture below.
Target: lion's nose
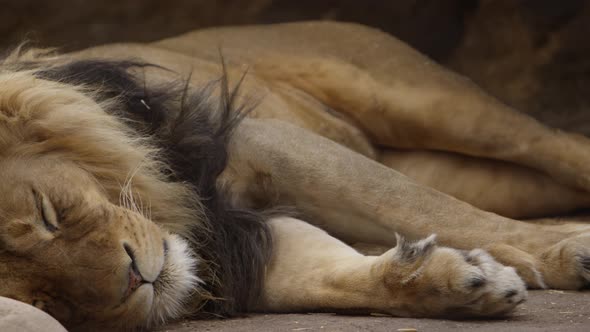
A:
(135, 278)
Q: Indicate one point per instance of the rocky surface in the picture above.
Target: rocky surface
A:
(544, 311)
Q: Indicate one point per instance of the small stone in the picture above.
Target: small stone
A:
(16, 316)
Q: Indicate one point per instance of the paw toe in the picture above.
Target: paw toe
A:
(477, 282)
(567, 263)
(584, 262)
(510, 293)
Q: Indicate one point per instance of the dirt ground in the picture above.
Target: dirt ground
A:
(544, 311)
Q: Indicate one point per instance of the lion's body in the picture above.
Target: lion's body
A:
(278, 61)
(337, 106)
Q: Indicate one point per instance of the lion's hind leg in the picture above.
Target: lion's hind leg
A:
(311, 271)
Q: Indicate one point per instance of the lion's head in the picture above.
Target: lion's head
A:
(82, 233)
(68, 250)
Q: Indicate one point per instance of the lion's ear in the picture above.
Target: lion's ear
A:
(409, 251)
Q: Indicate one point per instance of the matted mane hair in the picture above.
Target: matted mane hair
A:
(168, 143)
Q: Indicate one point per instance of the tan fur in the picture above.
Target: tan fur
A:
(335, 102)
(312, 269)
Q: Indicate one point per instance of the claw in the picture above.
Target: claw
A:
(477, 282)
(585, 262)
(510, 293)
(409, 251)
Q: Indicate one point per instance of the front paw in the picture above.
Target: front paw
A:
(549, 263)
(563, 265)
(566, 265)
(440, 281)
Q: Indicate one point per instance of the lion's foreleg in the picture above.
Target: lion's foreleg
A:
(501, 187)
(359, 200)
(310, 271)
(355, 198)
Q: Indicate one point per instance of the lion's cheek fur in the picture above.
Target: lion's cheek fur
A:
(176, 283)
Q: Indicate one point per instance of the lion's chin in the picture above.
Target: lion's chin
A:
(176, 283)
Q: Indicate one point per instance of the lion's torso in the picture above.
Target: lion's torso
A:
(198, 55)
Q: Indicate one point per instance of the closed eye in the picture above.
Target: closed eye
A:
(46, 211)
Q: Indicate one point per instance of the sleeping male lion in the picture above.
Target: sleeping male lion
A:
(134, 191)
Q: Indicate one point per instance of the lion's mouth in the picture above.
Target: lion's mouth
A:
(168, 295)
(135, 279)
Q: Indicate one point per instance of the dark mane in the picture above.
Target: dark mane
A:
(192, 129)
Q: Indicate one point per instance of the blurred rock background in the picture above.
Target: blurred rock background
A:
(532, 54)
